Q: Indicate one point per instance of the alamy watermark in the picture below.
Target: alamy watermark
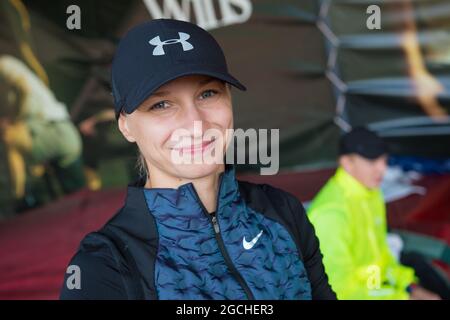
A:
(374, 20)
(234, 146)
(73, 281)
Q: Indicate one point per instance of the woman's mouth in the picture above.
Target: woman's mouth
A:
(195, 148)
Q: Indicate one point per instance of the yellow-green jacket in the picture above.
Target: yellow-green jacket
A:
(350, 222)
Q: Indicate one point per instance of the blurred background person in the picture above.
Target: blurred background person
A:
(349, 216)
(37, 133)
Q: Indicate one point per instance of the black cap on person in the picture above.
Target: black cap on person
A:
(156, 52)
(363, 142)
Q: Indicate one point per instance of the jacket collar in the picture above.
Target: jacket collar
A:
(143, 205)
(185, 201)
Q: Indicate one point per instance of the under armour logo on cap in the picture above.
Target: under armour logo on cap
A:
(159, 45)
(136, 73)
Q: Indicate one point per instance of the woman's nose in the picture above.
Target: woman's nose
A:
(194, 119)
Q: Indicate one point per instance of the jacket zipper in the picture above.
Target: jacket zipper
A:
(227, 259)
(221, 244)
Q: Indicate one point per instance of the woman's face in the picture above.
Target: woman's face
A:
(173, 127)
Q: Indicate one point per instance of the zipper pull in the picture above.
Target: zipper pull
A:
(215, 224)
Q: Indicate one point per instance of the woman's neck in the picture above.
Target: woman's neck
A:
(206, 187)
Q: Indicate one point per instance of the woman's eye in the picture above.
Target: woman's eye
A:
(159, 105)
(208, 93)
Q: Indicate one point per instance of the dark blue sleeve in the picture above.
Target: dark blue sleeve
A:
(99, 278)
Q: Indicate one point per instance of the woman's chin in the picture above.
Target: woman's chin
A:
(195, 171)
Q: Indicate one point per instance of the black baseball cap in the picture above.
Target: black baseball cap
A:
(156, 52)
(363, 142)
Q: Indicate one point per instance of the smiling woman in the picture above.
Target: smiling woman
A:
(191, 230)
(179, 104)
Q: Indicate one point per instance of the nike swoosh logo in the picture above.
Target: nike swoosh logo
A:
(248, 245)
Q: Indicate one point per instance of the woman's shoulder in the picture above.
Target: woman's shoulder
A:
(93, 271)
(267, 194)
(276, 204)
(288, 210)
(280, 206)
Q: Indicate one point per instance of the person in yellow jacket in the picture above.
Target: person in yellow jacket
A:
(349, 217)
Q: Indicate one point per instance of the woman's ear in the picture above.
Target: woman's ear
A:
(123, 127)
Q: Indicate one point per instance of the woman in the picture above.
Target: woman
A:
(190, 230)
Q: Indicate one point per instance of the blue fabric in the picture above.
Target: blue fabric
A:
(421, 164)
(189, 263)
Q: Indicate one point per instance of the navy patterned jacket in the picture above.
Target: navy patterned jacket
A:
(163, 244)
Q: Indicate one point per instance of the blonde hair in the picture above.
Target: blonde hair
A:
(141, 165)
